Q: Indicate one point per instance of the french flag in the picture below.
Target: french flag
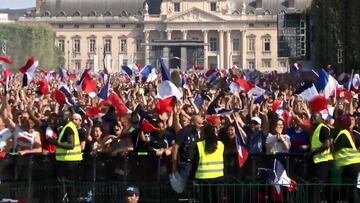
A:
(104, 91)
(356, 81)
(166, 88)
(63, 96)
(240, 146)
(43, 87)
(319, 104)
(118, 104)
(212, 76)
(148, 73)
(105, 74)
(164, 105)
(184, 81)
(5, 59)
(326, 83)
(29, 71)
(94, 112)
(342, 93)
(63, 74)
(50, 134)
(249, 88)
(128, 71)
(307, 90)
(6, 76)
(279, 177)
(279, 109)
(147, 127)
(87, 84)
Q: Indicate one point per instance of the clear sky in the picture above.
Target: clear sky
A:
(15, 4)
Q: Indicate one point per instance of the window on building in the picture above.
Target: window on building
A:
(123, 45)
(291, 3)
(92, 45)
(251, 64)
(90, 64)
(107, 45)
(77, 64)
(76, 26)
(138, 45)
(177, 7)
(251, 44)
(125, 62)
(213, 6)
(61, 25)
(266, 63)
(282, 64)
(236, 44)
(92, 26)
(123, 25)
(61, 45)
(77, 46)
(108, 26)
(258, 3)
(267, 44)
(213, 44)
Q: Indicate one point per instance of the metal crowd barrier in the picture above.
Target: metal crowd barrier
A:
(104, 179)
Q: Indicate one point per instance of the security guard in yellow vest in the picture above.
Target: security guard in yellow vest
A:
(347, 156)
(68, 152)
(210, 164)
(320, 149)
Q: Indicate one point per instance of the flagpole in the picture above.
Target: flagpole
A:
(315, 72)
(351, 78)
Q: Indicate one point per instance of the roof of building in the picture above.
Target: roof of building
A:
(272, 6)
(14, 14)
(136, 7)
(98, 7)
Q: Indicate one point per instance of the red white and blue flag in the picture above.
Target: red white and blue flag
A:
(87, 84)
(279, 177)
(5, 59)
(166, 88)
(29, 70)
(104, 91)
(240, 145)
(63, 96)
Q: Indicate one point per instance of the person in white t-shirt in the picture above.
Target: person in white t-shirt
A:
(5, 137)
(277, 141)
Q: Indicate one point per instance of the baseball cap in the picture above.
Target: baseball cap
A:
(256, 119)
(132, 190)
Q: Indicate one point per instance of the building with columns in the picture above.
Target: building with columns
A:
(186, 33)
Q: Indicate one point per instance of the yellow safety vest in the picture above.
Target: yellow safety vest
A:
(210, 165)
(316, 143)
(69, 154)
(347, 156)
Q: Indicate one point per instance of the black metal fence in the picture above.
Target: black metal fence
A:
(104, 179)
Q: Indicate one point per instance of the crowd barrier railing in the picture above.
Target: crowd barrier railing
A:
(104, 178)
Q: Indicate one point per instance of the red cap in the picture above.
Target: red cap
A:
(213, 120)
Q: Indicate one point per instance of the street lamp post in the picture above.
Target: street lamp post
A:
(68, 56)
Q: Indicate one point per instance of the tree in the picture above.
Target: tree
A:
(25, 40)
(336, 27)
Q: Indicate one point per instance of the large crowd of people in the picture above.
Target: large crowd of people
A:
(198, 134)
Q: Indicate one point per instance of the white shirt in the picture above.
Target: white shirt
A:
(4, 135)
(278, 146)
(23, 138)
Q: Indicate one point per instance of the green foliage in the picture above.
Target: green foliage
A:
(336, 25)
(24, 40)
(175, 78)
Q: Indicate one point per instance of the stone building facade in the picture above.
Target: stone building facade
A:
(186, 33)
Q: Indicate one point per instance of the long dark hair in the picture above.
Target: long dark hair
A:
(210, 139)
